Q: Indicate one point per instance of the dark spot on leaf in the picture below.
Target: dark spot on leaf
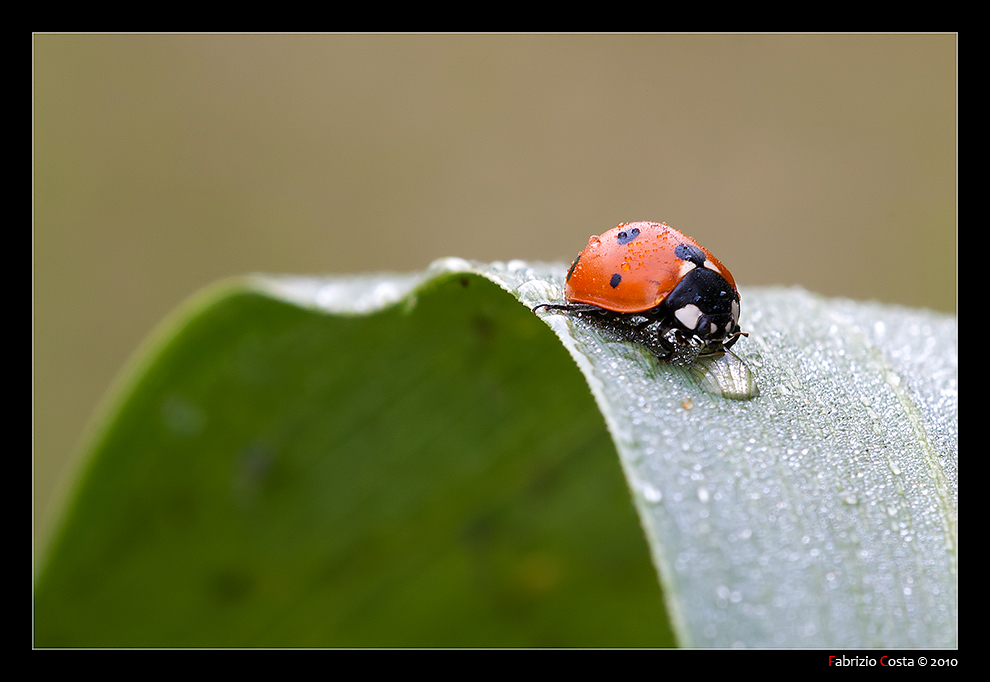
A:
(230, 586)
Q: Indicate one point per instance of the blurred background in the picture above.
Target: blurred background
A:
(163, 163)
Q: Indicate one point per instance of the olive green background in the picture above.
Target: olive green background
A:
(165, 162)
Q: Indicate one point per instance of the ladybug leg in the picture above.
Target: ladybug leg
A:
(569, 307)
(732, 338)
(687, 348)
(652, 336)
(669, 343)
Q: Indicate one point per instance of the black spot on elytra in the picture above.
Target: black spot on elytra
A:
(626, 236)
(614, 282)
(571, 271)
(691, 253)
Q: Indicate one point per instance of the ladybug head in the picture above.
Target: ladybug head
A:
(704, 303)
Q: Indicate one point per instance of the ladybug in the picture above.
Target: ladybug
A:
(649, 283)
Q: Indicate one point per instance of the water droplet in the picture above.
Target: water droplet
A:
(651, 494)
(452, 264)
(726, 375)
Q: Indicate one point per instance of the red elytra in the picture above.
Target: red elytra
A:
(633, 267)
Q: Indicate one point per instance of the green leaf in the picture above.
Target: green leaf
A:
(414, 461)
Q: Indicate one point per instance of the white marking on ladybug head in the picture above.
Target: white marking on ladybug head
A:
(712, 328)
(712, 266)
(735, 311)
(728, 327)
(686, 267)
(688, 315)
